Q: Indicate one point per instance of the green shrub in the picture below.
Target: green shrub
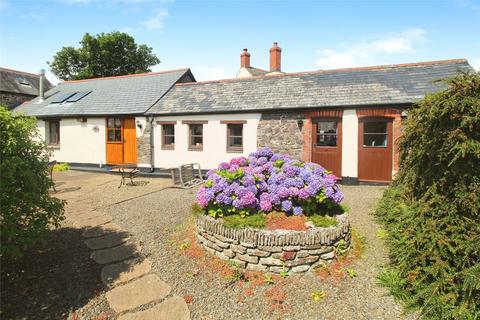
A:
(61, 167)
(257, 221)
(323, 221)
(431, 212)
(27, 210)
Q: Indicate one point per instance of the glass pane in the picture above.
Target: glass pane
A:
(236, 129)
(327, 127)
(168, 129)
(110, 123)
(236, 141)
(169, 140)
(111, 135)
(118, 123)
(197, 141)
(375, 140)
(329, 140)
(375, 127)
(118, 135)
(197, 129)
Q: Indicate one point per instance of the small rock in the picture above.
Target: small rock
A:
(247, 258)
(301, 268)
(257, 267)
(258, 253)
(270, 261)
(328, 256)
(238, 249)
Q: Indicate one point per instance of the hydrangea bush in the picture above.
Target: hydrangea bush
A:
(266, 182)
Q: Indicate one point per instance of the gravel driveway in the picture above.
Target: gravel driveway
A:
(155, 218)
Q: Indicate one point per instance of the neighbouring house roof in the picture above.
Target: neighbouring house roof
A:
(380, 85)
(120, 95)
(19, 82)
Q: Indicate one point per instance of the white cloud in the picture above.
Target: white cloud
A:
(155, 22)
(204, 73)
(370, 51)
(476, 63)
(32, 15)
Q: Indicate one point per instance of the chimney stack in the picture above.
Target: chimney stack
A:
(275, 58)
(245, 59)
(41, 78)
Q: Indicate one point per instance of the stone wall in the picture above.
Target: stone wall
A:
(12, 100)
(273, 251)
(143, 145)
(280, 132)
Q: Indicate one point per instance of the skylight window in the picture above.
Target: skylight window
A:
(77, 96)
(61, 98)
(23, 81)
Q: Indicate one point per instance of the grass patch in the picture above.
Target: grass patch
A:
(61, 167)
(322, 221)
(256, 221)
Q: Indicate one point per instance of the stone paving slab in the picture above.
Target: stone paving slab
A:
(125, 251)
(173, 308)
(101, 230)
(92, 222)
(107, 241)
(114, 274)
(137, 293)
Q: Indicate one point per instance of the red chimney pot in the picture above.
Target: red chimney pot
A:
(245, 59)
(275, 58)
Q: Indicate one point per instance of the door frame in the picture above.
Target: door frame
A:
(389, 147)
(338, 147)
(122, 142)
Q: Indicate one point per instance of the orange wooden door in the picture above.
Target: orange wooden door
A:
(121, 144)
(114, 141)
(375, 152)
(129, 141)
(327, 144)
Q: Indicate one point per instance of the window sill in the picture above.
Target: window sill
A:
(53, 146)
(168, 148)
(195, 149)
(234, 150)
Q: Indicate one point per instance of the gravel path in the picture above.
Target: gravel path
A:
(153, 219)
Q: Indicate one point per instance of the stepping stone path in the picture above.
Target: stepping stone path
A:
(131, 282)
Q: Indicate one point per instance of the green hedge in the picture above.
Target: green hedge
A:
(431, 212)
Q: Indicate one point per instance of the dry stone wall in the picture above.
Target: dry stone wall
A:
(273, 250)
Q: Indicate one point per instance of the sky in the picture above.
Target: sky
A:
(208, 36)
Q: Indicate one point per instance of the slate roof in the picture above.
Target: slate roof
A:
(382, 85)
(121, 95)
(19, 82)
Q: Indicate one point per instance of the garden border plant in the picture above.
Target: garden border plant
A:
(431, 212)
(248, 192)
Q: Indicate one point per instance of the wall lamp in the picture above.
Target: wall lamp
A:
(300, 124)
(139, 125)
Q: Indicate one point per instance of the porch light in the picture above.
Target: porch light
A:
(300, 124)
(139, 125)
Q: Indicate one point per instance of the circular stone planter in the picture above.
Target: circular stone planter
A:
(273, 250)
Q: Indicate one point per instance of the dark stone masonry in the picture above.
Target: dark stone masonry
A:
(280, 131)
(273, 250)
(143, 145)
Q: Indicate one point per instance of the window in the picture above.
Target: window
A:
(196, 137)
(114, 130)
(234, 137)
(375, 134)
(53, 127)
(326, 135)
(168, 136)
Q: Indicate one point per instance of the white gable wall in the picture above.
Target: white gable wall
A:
(214, 140)
(79, 142)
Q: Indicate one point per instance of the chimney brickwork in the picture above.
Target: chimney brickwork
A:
(245, 59)
(275, 58)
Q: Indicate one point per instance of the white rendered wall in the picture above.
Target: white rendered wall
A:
(214, 140)
(350, 143)
(79, 143)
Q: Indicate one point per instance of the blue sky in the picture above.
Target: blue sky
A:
(209, 36)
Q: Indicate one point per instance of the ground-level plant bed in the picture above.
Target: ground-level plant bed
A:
(269, 212)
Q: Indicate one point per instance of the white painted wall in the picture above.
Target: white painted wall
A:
(214, 140)
(79, 142)
(350, 143)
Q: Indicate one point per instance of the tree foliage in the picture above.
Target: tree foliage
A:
(432, 210)
(27, 209)
(103, 55)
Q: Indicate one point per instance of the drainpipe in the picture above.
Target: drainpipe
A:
(41, 94)
(152, 147)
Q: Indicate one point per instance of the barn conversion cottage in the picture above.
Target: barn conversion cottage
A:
(347, 120)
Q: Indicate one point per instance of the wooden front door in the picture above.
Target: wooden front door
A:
(121, 141)
(375, 152)
(327, 144)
